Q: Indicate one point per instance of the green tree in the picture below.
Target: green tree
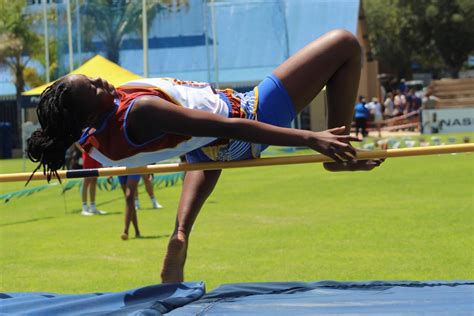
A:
(448, 25)
(18, 45)
(111, 20)
(388, 27)
(438, 34)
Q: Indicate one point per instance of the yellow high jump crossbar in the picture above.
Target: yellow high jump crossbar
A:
(272, 161)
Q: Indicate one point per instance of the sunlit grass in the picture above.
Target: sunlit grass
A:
(410, 219)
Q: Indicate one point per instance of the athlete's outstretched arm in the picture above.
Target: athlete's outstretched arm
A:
(152, 116)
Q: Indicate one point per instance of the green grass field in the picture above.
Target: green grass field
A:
(412, 219)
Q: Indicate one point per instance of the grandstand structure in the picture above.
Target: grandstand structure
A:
(453, 93)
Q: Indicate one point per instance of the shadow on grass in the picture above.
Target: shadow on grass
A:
(110, 201)
(78, 210)
(111, 213)
(28, 221)
(151, 237)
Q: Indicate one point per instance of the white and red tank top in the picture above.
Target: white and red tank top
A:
(110, 143)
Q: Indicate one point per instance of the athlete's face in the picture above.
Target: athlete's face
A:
(92, 97)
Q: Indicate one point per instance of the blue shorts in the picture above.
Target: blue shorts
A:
(269, 103)
(275, 106)
(123, 179)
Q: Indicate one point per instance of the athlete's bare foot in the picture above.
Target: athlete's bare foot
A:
(354, 165)
(124, 236)
(173, 265)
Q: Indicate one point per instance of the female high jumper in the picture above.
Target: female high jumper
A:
(149, 120)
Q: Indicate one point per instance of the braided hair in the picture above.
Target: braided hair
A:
(60, 128)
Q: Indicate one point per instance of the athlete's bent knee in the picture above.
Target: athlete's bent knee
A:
(347, 41)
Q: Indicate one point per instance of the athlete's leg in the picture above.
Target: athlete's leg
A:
(333, 60)
(92, 189)
(364, 128)
(85, 189)
(197, 187)
(132, 185)
(147, 180)
(124, 187)
(130, 213)
(136, 197)
(358, 126)
(148, 185)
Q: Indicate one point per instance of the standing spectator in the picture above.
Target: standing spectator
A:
(361, 114)
(89, 185)
(403, 104)
(375, 109)
(412, 103)
(417, 102)
(147, 180)
(389, 105)
(396, 102)
(383, 93)
(409, 100)
(129, 186)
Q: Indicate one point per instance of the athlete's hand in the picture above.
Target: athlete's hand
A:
(334, 144)
(354, 165)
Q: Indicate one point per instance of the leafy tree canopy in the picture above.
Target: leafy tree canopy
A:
(435, 33)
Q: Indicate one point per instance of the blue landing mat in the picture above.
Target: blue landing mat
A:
(336, 298)
(289, 298)
(152, 300)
